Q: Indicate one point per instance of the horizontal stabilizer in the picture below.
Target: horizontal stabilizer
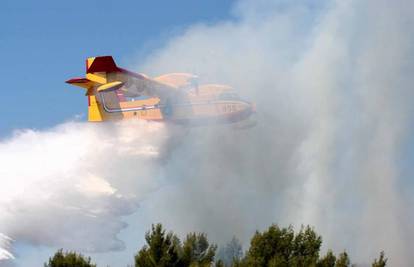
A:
(81, 82)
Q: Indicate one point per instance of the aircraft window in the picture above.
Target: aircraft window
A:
(112, 102)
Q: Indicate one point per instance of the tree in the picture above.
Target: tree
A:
(273, 245)
(161, 250)
(69, 259)
(328, 260)
(164, 250)
(381, 262)
(305, 248)
(343, 260)
(280, 247)
(197, 251)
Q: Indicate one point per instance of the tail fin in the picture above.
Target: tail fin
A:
(101, 64)
(96, 75)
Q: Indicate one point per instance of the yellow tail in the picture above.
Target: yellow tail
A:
(97, 69)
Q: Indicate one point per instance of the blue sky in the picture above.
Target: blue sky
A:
(44, 43)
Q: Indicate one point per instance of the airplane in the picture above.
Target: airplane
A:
(115, 93)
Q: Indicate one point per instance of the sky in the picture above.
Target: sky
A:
(333, 148)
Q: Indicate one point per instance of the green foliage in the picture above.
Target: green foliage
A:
(69, 259)
(162, 249)
(165, 250)
(270, 247)
(197, 251)
(280, 247)
(381, 262)
(328, 260)
(343, 260)
(306, 246)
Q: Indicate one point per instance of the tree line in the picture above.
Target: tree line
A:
(274, 247)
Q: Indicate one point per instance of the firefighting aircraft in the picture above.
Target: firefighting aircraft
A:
(115, 93)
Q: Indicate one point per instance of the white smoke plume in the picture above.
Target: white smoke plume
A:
(70, 186)
(333, 86)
